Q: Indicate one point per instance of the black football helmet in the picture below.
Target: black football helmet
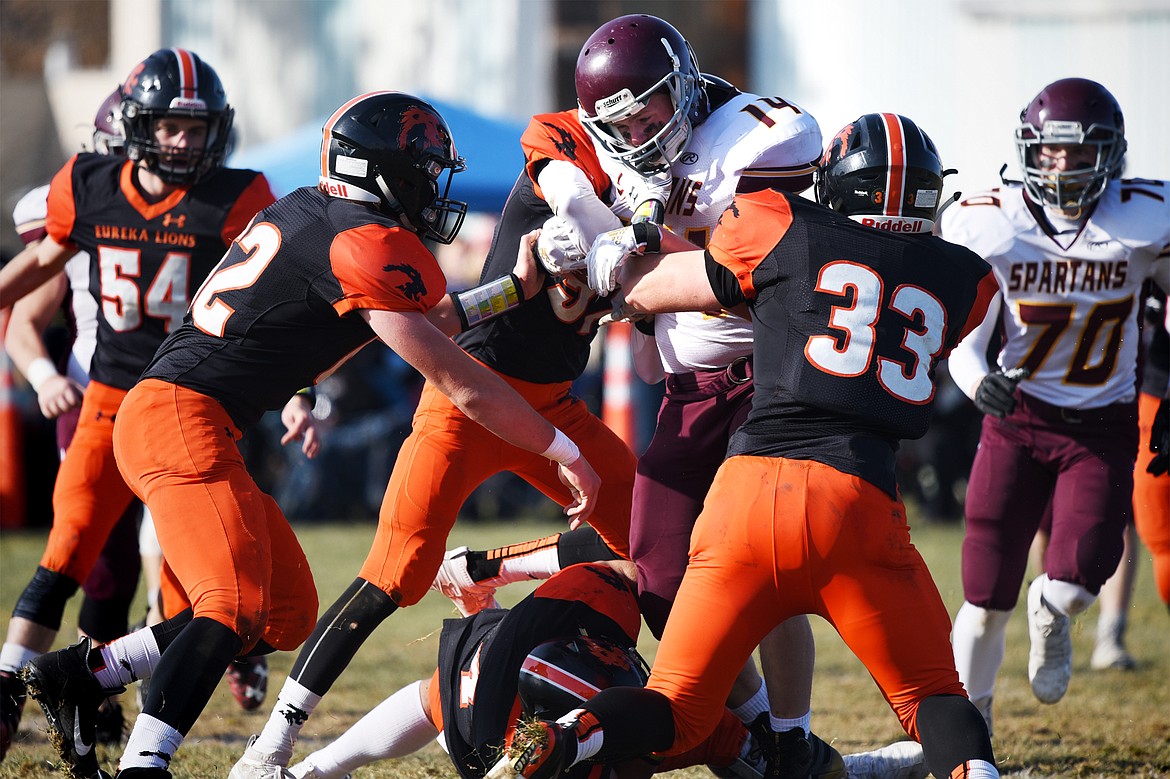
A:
(621, 65)
(882, 171)
(391, 149)
(107, 126)
(558, 675)
(1077, 112)
(175, 83)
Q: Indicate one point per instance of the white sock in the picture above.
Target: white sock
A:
(14, 656)
(294, 706)
(979, 638)
(980, 769)
(781, 724)
(540, 563)
(397, 727)
(1065, 597)
(753, 706)
(128, 659)
(152, 744)
(1110, 628)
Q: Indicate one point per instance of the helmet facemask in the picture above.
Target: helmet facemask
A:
(1069, 191)
(658, 152)
(182, 166)
(622, 65)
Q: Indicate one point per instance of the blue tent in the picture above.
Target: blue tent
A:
(490, 146)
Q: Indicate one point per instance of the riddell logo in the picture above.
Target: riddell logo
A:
(891, 225)
(335, 188)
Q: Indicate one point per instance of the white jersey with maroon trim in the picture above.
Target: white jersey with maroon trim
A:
(1071, 299)
(747, 136)
(29, 216)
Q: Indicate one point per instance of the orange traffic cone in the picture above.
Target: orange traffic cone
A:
(616, 405)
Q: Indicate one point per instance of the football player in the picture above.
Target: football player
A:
(153, 223)
(575, 635)
(1151, 502)
(311, 280)
(1071, 246)
(650, 110)
(852, 311)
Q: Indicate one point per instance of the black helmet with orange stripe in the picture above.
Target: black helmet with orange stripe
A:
(558, 675)
(883, 171)
(175, 83)
(391, 149)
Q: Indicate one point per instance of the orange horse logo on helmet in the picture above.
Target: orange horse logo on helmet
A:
(422, 127)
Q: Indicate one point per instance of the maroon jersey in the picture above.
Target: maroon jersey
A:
(278, 313)
(480, 656)
(146, 259)
(850, 324)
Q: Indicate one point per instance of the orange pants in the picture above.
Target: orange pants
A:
(226, 543)
(1151, 500)
(783, 537)
(447, 456)
(89, 495)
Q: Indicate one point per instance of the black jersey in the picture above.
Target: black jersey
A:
(850, 324)
(146, 259)
(278, 313)
(480, 656)
(547, 339)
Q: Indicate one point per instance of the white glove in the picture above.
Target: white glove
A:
(611, 249)
(561, 246)
(639, 193)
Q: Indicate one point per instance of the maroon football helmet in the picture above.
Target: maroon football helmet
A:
(1073, 112)
(107, 125)
(620, 66)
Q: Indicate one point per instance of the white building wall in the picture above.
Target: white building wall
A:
(963, 69)
(286, 62)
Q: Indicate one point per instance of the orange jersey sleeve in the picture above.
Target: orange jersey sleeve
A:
(258, 195)
(747, 232)
(62, 211)
(599, 587)
(386, 269)
(561, 136)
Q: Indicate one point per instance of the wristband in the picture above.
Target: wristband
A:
(39, 371)
(309, 394)
(562, 449)
(479, 304)
(647, 235)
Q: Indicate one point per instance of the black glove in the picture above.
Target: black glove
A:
(995, 396)
(1160, 440)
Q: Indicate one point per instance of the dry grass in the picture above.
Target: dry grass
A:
(1111, 724)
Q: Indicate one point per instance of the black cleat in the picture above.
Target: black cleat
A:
(62, 683)
(795, 755)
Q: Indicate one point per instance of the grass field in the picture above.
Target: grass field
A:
(1111, 724)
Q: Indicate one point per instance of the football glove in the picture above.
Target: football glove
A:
(646, 197)
(1160, 440)
(995, 394)
(611, 249)
(561, 248)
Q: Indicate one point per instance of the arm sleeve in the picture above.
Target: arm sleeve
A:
(968, 362)
(570, 195)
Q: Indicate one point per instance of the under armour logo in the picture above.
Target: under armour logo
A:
(177, 221)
